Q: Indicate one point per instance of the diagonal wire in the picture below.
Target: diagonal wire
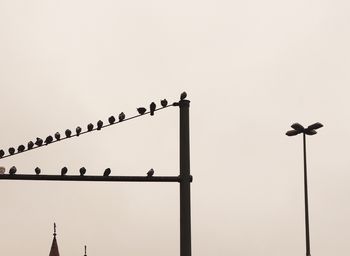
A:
(84, 132)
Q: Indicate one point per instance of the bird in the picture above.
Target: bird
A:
(150, 173)
(48, 139)
(111, 119)
(141, 110)
(107, 172)
(164, 103)
(57, 136)
(82, 171)
(2, 153)
(30, 145)
(64, 171)
(39, 142)
(90, 127)
(78, 130)
(2, 170)
(37, 170)
(12, 170)
(152, 108)
(21, 148)
(183, 96)
(11, 151)
(99, 125)
(121, 116)
(68, 133)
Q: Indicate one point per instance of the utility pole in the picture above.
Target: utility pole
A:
(185, 180)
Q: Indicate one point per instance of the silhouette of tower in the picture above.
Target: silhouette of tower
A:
(54, 247)
(85, 250)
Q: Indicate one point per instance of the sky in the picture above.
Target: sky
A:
(250, 69)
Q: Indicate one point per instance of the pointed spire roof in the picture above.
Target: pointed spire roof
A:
(54, 247)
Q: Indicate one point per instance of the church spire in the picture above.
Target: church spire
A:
(54, 247)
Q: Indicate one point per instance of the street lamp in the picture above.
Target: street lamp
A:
(310, 130)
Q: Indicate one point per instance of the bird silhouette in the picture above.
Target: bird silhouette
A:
(141, 110)
(57, 136)
(78, 130)
(107, 172)
(30, 145)
(37, 170)
(152, 108)
(82, 171)
(64, 171)
(183, 96)
(90, 127)
(150, 173)
(121, 116)
(11, 151)
(12, 170)
(21, 148)
(68, 133)
(39, 142)
(48, 139)
(2, 153)
(164, 103)
(99, 125)
(111, 119)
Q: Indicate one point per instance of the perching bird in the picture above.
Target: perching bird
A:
(68, 133)
(111, 119)
(39, 142)
(150, 173)
(11, 151)
(30, 145)
(57, 136)
(64, 171)
(48, 139)
(164, 103)
(2, 153)
(21, 148)
(99, 125)
(107, 172)
(90, 127)
(121, 116)
(183, 96)
(82, 171)
(141, 110)
(152, 108)
(12, 170)
(78, 130)
(37, 170)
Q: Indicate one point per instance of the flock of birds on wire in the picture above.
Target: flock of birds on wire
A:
(68, 134)
(64, 171)
(78, 130)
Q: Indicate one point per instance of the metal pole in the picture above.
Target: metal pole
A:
(185, 180)
(306, 201)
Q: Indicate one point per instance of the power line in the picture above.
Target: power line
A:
(57, 138)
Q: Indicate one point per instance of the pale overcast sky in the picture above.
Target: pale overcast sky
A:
(250, 68)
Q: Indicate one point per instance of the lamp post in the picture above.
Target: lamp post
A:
(310, 130)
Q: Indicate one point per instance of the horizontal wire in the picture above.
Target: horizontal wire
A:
(84, 132)
(92, 178)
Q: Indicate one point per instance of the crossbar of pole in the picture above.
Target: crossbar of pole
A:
(91, 178)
